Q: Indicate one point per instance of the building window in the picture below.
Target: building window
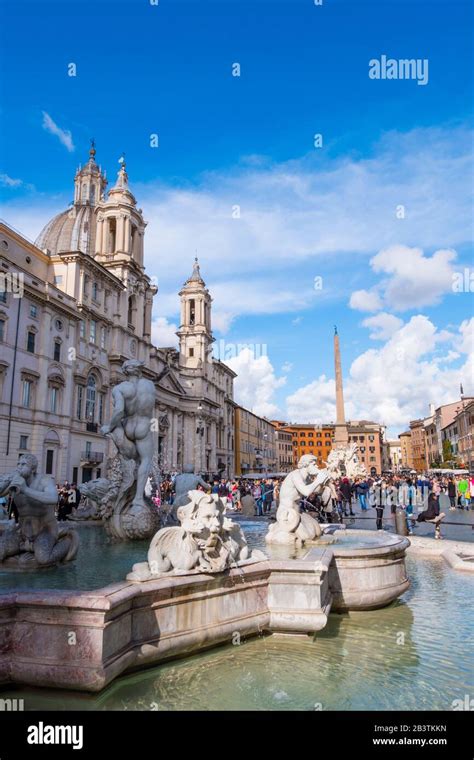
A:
(33, 311)
(192, 312)
(26, 394)
(93, 331)
(3, 296)
(80, 396)
(53, 399)
(103, 337)
(23, 442)
(94, 291)
(191, 352)
(131, 305)
(58, 279)
(49, 461)
(2, 330)
(88, 449)
(310, 435)
(82, 329)
(30, 342)
(91, 395)
(101, 408)
(372, 459)
(57, 351)
(112, 233)
(319, 443)
(327, 435)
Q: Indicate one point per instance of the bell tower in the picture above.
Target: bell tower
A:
(195, 336)
(120, 224)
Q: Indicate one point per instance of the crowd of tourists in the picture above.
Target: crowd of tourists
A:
(417, 496)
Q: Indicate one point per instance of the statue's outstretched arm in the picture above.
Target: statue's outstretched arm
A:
(204, 484)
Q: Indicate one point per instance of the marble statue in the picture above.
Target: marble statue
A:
(294, 528)
(95, 491)
(205, 542)
(185, 482)
(36, 541)
(344, 462)
(121, 496)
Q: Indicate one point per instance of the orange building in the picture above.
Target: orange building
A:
(309, 439)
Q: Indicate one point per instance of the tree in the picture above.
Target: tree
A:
(447, 451)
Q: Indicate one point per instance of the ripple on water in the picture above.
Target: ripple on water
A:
(413, 655)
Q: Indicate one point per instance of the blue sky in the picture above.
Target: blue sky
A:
(306, 212)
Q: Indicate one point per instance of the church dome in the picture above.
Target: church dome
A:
(71, 230)
(75, 228)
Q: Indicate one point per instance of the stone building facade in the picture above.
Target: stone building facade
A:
(85, 306)
(255, 444)
(284, 448)
(418, 444)
(369, 437)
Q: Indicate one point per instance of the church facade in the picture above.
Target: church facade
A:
(83, 305)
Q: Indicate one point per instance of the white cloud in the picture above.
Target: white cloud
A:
(295, 213)
(314, 207)
(255, 383)
(7, 181)
(395, 383)
(64, 135)
(163, 333)
(383, 325)
(287, 367)
(365, 300)
(415, 280)
(296, 321)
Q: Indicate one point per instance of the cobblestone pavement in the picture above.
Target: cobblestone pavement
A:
(458, 525)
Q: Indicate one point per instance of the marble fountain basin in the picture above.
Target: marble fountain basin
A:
(83, 640)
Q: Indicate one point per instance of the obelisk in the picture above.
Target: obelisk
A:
(341, 437)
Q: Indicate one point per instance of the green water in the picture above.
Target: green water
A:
(415, 655)
(100, 561)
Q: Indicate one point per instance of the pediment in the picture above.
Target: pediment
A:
(172, 383)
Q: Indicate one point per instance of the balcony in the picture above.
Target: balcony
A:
(92, 457)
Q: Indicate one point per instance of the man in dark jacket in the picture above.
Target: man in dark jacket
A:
(346, 490)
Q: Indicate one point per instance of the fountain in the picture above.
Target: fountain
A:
(200, 584)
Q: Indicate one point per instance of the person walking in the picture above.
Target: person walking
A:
(452, 493)
(346, 492)
(391, 494)
(257, 495)
(361, 492)
(471, 490)
(379, 504)
(463, 487)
